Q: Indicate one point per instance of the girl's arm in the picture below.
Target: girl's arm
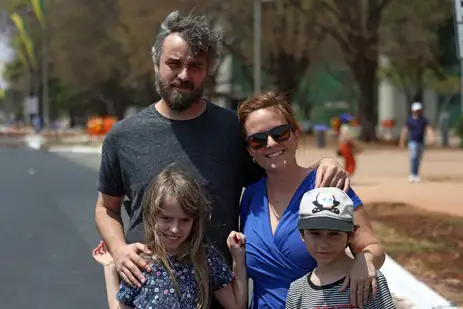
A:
(112, 281)
(235, 295)
(112, 287)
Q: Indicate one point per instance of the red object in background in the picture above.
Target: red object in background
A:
(108, 122)
(346, 151)
(388, 123)
(100, 126)
(94, 126)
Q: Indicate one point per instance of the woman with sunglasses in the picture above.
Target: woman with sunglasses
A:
(275, 252)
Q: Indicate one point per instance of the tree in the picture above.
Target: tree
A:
(410, 41)
(355, 25)
(290, 34)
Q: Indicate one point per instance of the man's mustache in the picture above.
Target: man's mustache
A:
(185, 84)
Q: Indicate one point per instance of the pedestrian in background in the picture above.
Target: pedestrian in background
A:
(417, 129)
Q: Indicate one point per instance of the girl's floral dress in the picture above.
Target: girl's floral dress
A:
(158, 291)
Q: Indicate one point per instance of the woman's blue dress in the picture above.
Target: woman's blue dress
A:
(274, 261)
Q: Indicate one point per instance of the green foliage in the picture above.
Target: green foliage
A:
(410, 42)
(100, 50)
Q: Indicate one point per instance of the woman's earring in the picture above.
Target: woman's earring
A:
(253, 159)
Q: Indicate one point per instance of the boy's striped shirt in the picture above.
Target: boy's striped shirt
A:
(303, 294)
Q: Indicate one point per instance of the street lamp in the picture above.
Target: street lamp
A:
(257, 44)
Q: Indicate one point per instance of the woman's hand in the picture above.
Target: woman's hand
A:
(361, 276)
(330, 173)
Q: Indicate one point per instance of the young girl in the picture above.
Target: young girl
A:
(184, 272)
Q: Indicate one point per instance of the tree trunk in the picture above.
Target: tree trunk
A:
(364, 70)
(287, 72)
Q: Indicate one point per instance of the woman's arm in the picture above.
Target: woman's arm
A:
(365, 241)
(369, 257)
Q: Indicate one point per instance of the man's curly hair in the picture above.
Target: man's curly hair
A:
(198, 32)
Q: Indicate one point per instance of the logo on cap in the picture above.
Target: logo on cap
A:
(325, 201)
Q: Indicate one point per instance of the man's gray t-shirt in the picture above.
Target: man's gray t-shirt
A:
(210, 147)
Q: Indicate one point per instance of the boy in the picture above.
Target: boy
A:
(326, 223)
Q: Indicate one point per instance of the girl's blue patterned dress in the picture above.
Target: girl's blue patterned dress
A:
(158, 291)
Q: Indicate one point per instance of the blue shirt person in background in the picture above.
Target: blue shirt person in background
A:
(275, 252)
(417, 128)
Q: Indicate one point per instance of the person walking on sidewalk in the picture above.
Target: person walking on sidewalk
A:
(417, 128)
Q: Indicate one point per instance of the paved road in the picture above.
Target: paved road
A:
(47, 232)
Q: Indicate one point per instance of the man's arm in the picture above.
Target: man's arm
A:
(108, 214)
(430, 135)
(403, 136)
(109, 221)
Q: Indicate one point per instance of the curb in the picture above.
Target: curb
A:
(38, 142)
(404, 286)
(74, 149)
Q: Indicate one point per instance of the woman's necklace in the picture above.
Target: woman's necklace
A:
(274, 211)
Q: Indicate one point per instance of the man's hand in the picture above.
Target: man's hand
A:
(331, 174)
(129, 263)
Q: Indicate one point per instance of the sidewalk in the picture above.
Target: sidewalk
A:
(383, 176)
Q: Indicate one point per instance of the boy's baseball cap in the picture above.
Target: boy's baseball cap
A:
(326, 209)
(417, 106)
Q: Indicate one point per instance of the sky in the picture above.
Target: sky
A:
(6, 52)
(6, 55)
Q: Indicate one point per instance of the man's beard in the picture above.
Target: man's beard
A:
(176, 100)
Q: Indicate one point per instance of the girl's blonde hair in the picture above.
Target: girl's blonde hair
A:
(174, 182)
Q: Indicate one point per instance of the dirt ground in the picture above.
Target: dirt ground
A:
(420, 225)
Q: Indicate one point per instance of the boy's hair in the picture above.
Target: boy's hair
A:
(326, 209)
(174, 182)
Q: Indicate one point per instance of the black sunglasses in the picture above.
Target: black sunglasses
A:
(279, 134)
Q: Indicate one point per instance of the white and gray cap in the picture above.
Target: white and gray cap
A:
(416, 106)
(326, 209)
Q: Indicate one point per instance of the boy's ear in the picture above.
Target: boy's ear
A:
(350, 235)
(301, 232)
